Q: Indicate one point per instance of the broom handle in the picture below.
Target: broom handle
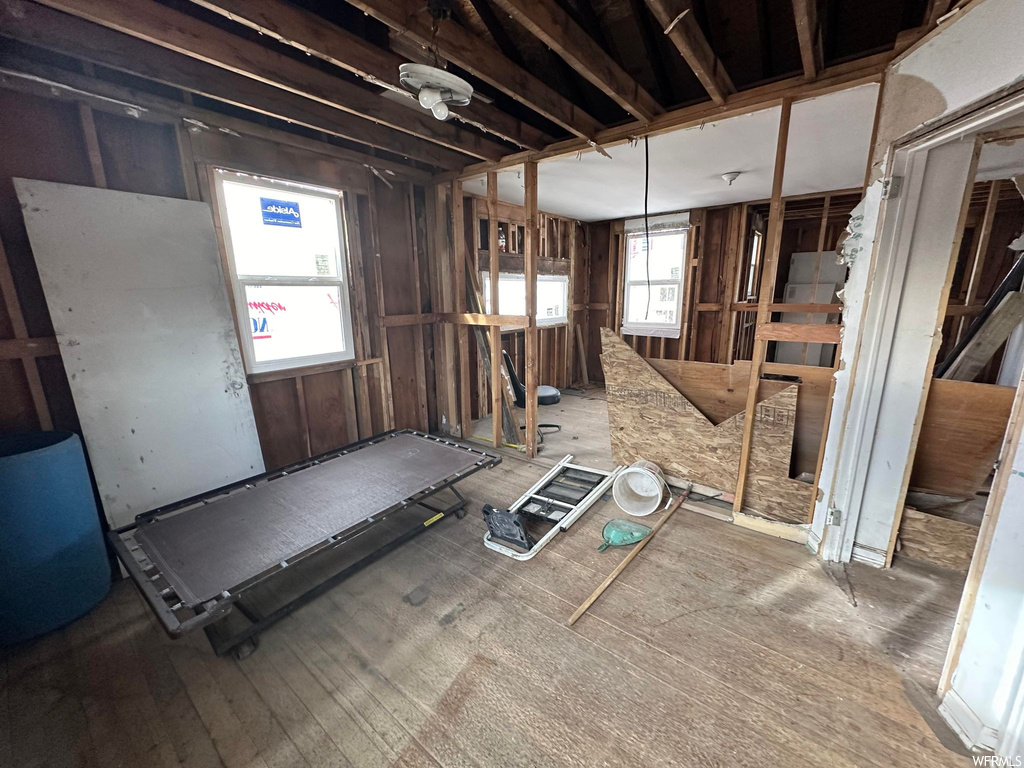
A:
(628, 559)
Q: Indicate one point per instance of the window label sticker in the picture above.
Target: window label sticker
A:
(280, 213)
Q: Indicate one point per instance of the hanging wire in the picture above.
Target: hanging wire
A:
(647, 224)
(435, 22)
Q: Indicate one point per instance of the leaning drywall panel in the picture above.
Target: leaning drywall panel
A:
(134, 287)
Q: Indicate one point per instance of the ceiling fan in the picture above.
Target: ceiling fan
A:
(435, 88)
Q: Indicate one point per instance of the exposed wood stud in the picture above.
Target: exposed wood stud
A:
(531, 252)
(188, 163)
(300, 394)
(361, 319)
(13, 305)
(765, 296)
(458, 244)
(978, 257)
(418, 338)
(582, 350)
(497, 381)
(497, 386)
(444, 334)
(92, 146)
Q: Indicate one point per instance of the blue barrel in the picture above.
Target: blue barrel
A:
(53, 564)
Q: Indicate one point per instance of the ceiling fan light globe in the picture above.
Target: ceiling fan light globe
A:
(428, 97)
(440, 110)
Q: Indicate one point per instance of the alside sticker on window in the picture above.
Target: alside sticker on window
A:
(280, 213)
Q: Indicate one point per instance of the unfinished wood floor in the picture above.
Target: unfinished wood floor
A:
(716, 647)
(583, 417)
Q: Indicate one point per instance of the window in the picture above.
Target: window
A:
(286, 257)
(755, 254)
(654, 284)
(552, 296)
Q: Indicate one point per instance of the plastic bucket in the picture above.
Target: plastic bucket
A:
(639, 488)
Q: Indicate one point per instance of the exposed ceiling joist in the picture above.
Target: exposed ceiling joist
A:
(808, 33)
(89, 42)
(836, 78)
(649, 37)
(678, 22)
(154, 23)
(497, 30)
(458, 45)
(313, 35)
(552, 25)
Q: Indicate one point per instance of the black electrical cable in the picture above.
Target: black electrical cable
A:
(647, 224)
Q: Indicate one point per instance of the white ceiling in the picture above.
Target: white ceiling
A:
(828, 149)
(1001, 160)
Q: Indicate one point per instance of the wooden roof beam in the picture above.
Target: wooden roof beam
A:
(547, 21)
(808, 33)
(838, 77)
(678, 22)
(316, 36)
(163, 26)
(462, 47)
(56, 31)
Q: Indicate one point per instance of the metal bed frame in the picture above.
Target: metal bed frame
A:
(178, 616)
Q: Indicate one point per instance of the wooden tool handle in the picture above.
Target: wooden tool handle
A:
(628, 559)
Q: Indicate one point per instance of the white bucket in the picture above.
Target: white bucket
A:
(639, 488)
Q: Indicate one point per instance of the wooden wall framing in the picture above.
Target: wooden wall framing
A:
(81, 135)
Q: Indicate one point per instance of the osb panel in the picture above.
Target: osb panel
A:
(720, 391)
(961, 433)
(651, 419)
(937, 540)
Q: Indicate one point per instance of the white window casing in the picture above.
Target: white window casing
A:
(287, 263)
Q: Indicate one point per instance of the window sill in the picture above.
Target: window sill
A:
(307, 370)
(540, 326)
(657, 333)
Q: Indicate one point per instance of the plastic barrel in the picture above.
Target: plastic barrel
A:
(53, 564)
(639, 488)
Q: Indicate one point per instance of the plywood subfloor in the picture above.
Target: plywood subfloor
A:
(716, 647)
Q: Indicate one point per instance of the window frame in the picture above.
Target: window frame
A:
(520, 277)
(658, 330)
(238, 282)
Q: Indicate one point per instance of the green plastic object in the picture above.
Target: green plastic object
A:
(621, 533)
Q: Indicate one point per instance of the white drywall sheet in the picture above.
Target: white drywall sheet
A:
(139, 305)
